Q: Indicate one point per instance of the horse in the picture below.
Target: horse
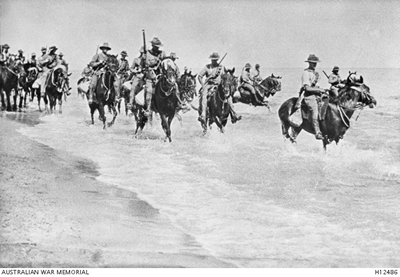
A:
(187, 89)
(32, 74)
(217, 101)
(267, 87)
(165, 101)
(9, 82)
(104, 93)
(56, 84)
(82, 86)
(351, 97)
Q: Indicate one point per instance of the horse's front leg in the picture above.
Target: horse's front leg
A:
(60, 104)
(102, 115)
(115, 116)
(15, 98)
(164, 124)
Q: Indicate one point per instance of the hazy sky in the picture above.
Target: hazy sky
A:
(276, 34)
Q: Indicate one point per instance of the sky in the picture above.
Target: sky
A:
(275, 34)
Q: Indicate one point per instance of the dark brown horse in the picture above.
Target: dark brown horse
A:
(338, 113)
(9, 83)
(268, 87)
(187, 89)
(56, 85)
(165, 101)
(217, 101)
(105, 91)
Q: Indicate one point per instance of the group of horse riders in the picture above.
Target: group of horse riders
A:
(43, 66)
(144, 71)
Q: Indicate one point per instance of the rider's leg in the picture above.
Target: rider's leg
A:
(203, 103)
(252, 91)
(149, 91)
(92, 87)
(43, 83)
(234, 115)
(311, 102)
(117, 87)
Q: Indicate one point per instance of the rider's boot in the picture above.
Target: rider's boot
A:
(318, 134)
(234, 116)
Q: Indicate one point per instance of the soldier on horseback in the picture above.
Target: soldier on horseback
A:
(256, 74)
(335, 81)
(48, 62)
(62, 61)
(138, 81)
(32, 61)
(122, 73)
(247, 83)
(312, 92)
(153, 59)
(97, 63)
(213, 73)
(20, 57)
(5, 55)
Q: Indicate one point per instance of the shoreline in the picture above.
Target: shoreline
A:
(54, 213)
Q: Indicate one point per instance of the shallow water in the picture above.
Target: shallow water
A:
(248, 196)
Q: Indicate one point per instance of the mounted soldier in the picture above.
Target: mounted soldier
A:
(150, 61)
(97, 63)
(62, 61)
(247, 83)
(32, 61)
(335, 81)
(122, 74)
(5, 55)
(256, 74)
(47, 62)
(20, 57)
(138, 81)
(213, 72)
(311, 92)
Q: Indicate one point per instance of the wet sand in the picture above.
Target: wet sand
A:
(54, 213)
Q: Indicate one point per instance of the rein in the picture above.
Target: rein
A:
(167, 92)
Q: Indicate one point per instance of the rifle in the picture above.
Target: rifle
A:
(325, 74)
(97, 50)
(146, 65)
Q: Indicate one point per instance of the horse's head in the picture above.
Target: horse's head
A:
(271, 85)
(228, 82)
(168, 71)
(187, 85)
(112, 63)
(355, 92)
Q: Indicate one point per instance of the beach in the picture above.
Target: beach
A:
(54, 213)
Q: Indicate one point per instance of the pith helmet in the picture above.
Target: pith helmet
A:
(156, 42)
(123, 53)
(312, 59)
(214, 56)
(335, 68)
(61, 54)
(52, 48)
(43, 49)
(5, 46)
(257, 65)
(247, 65)
(20, 51)
(105, 46)
(33, 54)
(173, 55)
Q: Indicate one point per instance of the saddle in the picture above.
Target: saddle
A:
(322, 107)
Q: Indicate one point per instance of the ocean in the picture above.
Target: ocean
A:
(249, 196)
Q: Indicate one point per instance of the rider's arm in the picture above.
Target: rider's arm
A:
(201, 74)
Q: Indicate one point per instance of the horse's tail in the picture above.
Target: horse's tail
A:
(286, 110)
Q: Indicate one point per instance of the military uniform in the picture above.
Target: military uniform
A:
(47, 62)
(138, 80)
(309, 81)
(213, 78)
(151, 64)
(97, 63)
(335, 81)
(246, 81)
(5, 55)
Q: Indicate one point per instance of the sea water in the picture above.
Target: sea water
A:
(249, 196)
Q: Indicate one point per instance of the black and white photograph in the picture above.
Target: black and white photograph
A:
(199, 134)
